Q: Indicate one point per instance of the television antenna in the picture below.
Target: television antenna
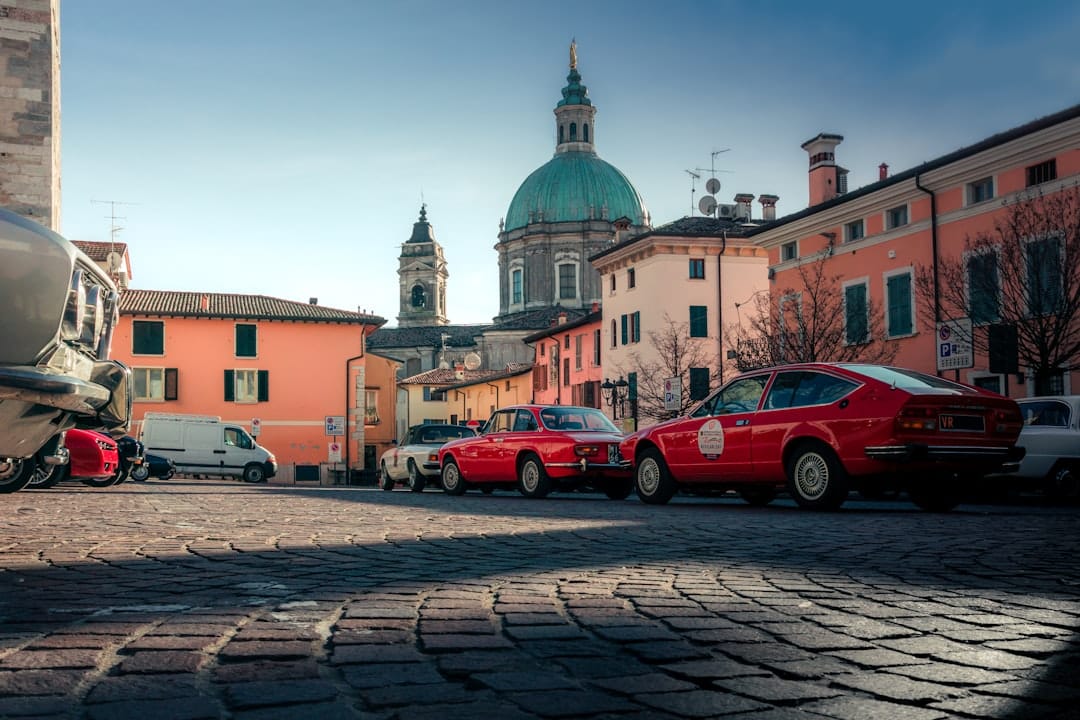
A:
(694, 177)
(708, 203)
(113, 259)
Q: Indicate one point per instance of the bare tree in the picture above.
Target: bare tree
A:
(1025, 273)
(676, 353)
(809, 323)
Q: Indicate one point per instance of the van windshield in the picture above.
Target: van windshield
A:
(238, 438)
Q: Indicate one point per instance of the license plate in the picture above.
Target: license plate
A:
(613, 456)
(961, 423)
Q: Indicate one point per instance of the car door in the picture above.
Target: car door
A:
(714, 443)
(522, 434)
(489, 450)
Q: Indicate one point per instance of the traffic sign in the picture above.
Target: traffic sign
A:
(256, 427)
(673, 393)
(954, 349)
(334, 453)
(335, 424)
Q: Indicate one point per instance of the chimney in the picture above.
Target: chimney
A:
(595, 307)
(882, 171)
(459, 371)
(742, 205)
(768, 207)
(204, 303)
(824, 175)
(562, 318)
(313, 301)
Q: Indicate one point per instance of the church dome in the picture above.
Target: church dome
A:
(572, 187)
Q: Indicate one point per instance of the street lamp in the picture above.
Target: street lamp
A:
(614, 394)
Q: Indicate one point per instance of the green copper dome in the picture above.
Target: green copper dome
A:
(575, 186)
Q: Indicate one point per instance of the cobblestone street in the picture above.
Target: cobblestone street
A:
(208, 599)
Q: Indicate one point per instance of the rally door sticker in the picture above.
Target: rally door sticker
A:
(710, 439)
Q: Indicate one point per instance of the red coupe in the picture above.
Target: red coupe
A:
(822, 429)
(538, 449)
(95, 457)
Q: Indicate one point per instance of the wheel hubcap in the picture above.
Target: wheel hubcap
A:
(530, 477)
(450, 478)
(648, 476)
(811, 476)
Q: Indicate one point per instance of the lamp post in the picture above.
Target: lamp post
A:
(614, 394)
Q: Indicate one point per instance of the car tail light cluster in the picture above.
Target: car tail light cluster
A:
(917, 419)
(90, 314)
(1007, 422)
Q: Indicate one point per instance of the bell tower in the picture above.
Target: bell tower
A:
(422, 278)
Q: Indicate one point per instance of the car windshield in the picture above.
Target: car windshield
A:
(441, 434)
(576, 418)
(905, 379)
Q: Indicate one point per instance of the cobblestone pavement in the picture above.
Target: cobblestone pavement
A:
(208, 599)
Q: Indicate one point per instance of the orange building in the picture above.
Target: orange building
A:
(881, 238)
(567, 367)
(276, 367)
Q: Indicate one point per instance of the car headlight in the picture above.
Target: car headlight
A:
(75, 309)
(111, 318)
(93, 318)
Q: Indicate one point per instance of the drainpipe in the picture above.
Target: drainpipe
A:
(348, 417)
(720, 306)
(934, 253)
(497, 406)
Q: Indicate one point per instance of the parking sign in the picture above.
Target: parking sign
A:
(954, 345)
(335, 424)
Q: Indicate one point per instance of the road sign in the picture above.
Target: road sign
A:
(673, 393)
(335, 424)
(954, 345)
(256, 427)
(334, 452)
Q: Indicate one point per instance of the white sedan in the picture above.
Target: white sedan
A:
(416, 461)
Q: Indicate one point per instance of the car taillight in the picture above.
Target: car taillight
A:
(586, 450)
(93, 317)
(1007, 422)
(919, 419)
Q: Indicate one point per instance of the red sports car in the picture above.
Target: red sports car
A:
(823, 429)
(538, 449)
(95, 458)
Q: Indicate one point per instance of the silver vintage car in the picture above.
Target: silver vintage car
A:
(59, 313)
(1051, 439)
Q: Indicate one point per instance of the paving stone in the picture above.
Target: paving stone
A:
(40, 706)
(997, 707)
(896, 687)
(162, 661)
(568, 703)
(774, 690)
(319, 710)
(345, 654)
(191, 708)
(38, 682)
(50, 659)
(877, 658)
(266, 649)
(251, 670)
(263, 694)
(404, 695)
(950, 674)
(455, 643)
(713, 668)
(699, 703)
(143, 687)
(638, 684)
(466, 711)
(992, 659)
(382, 675)
(849, 708)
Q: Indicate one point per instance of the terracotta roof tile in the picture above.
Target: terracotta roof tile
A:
(444, 376)
(99, 251)
(224, 305)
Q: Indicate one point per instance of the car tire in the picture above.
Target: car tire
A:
(416, 480)
(121, 475)
(533, 480)
(254, 473)
(816, 479)
(619, 489)
(1063, 483)
(140, 473)
(20, 473)
(452, 481)
(652, 478)
(758, 495)
(936, 494)
(385, 481)
(99, 482)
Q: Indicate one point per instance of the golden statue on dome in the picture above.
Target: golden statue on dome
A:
(573, 54)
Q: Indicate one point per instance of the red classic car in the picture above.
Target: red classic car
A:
(95, 457)
(823, 429)
(538, 449)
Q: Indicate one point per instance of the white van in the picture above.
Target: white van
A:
(202, 444)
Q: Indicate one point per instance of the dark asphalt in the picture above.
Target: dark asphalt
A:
(213, 599)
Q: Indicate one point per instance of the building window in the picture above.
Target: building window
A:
(899, 317)
(896, 217)
(419, 296)
(788, 251)
(855, 230)
(567, 282)
(625, 320)
(1043, 172)
(699, 321)
(515, 284)
(699, 383)
(585, 132)
(612, 282)
(245, 340)
(566, 341)
(566, 371)
(371, 407)
(980, 190)
(631, 278)
(153, 384)
(543, 349)
(697, 268)
(562, 134)
(579, 344)
(635, 327)
(614, 334)
(856, 320)
(247, 386)
(432, 394)
(1044, 276)
(984, 291)
(596, 348)
(988, 382)
(148, 337)
(573, 132)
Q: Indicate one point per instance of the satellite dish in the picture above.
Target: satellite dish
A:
(707, 205)
(113, 261)
(472, 361)
(712, 185)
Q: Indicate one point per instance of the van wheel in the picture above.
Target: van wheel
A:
(254, 473)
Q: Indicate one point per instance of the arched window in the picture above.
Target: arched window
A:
(419, 296)
(561, 128)
(573, 132)
(515, 287)
(585, 132)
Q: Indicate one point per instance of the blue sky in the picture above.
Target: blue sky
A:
(282, 148)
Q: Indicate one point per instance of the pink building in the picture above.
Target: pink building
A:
(567, 367)
(881, 238)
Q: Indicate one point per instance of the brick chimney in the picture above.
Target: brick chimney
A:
(768, 206)
(204, 303)
(882, 171)
(824, 174)
(459, 371)
(562, 318)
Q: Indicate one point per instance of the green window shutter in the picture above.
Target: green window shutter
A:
(245, 340)
(230, 386)
(625, 331)
(172, 377)
(637, 327)
(855, 314)
(631, 380)
(148, 337)
(699, 321)
(900, 305)
(983, 288)
(264, 386)
(699, 383)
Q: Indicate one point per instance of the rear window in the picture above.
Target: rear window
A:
(905, 379)
(1045, 413)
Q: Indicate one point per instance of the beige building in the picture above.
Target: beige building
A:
(478, 398)
(442, 395)
(30, 109)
